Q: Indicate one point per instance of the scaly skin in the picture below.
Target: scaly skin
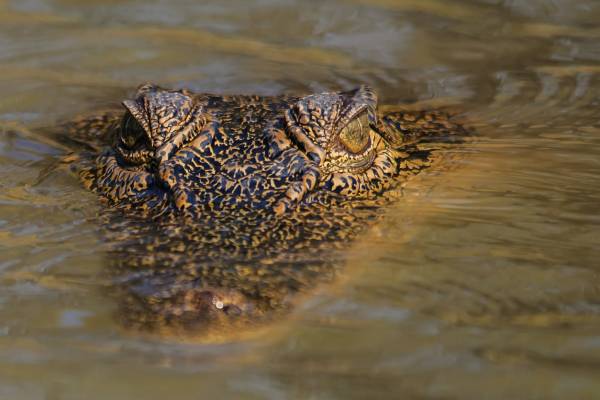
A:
(224, 208)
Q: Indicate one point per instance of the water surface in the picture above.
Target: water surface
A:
(483, 281)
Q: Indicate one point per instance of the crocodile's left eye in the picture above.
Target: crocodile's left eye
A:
(131, 131)
(355, 136)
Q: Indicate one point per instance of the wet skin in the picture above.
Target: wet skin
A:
(222, 209)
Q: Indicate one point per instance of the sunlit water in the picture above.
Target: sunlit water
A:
(483, 281)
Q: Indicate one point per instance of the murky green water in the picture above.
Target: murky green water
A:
(481, 282)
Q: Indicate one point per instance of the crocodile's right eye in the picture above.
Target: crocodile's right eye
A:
(355, 136)
(132, 132)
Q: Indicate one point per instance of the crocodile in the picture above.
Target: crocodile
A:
(221, 210)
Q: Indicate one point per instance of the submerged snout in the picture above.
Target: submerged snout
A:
(202, 313)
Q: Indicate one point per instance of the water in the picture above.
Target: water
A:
(481, 282)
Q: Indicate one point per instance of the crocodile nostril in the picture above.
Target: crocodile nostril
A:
(232, 310)
(205, 296)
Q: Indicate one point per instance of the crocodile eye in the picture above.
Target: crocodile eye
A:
(131, 131)
(355, 136)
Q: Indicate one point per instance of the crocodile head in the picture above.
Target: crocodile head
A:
(247, 197)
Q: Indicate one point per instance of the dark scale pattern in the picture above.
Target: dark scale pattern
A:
(224, 208)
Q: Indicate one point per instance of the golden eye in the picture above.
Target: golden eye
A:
(355, 136)
(131, 131)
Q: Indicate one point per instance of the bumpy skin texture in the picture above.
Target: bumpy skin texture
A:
(224, 208)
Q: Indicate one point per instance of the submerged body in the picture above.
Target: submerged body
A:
(228, 206)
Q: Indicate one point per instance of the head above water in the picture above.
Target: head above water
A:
(179, 152)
